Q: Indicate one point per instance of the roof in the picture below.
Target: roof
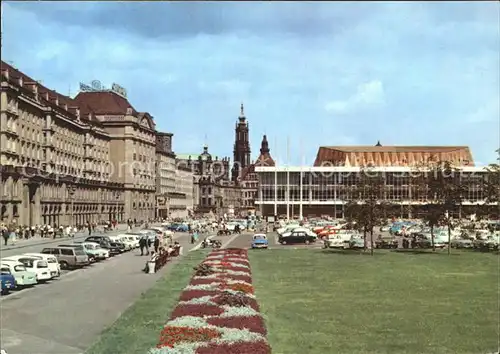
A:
(46, 94)
(391, 155)
(104, 103)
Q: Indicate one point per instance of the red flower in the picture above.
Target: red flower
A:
(252, 323)
(171, 335)
(197, 310)
(240, 348)
(187, 295)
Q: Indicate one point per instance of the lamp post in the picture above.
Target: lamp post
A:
(71, 193)
(116, 195)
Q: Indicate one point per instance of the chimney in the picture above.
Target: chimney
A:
(47, 97)
(90, 116)
(7, 75)
(129, 111)
(65, 106)
(21, 81)
(77, 113)
(57, 100)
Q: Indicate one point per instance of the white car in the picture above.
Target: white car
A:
(55, 268)
(100, 252)
(133, 239)
(123, 239)
(32, 264)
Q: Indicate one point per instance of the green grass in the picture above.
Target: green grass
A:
(139, 327)
(320, 302)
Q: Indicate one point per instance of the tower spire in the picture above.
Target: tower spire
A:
(242, 111)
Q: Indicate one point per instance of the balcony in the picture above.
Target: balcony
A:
(10, 132)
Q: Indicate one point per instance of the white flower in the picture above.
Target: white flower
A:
(211, 286)
(188, 321)
(213, 275)
(233, 335)
(205, 300)
(243, 311)
(237, 272)
(179, 348)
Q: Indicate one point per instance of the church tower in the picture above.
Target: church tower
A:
(241, 152)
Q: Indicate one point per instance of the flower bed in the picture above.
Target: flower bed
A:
(217, 312)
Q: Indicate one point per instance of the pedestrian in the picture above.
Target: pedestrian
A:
(5, 235)
(156, 244)
(142, 244)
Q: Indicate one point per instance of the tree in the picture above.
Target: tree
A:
(445, 191)
(366, 208)
(492, 184)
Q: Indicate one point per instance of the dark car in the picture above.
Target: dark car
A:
(295, 237)
(105, 242)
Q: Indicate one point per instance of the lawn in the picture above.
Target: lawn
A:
(316, 301)
(139, 327)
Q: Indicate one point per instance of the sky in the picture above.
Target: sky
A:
(308, 73)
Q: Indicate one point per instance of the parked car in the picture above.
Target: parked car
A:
(105, 242)
(386, 242)
(54, 267)
(385, 228)
(260, 241)
(295, 237)
(91, 249)
(462, 243)
(7, 280)
(133, 239)
(68, 257)
(22, 276)
(123, 239)
(33, 264)
(355, 242)
(337, 240)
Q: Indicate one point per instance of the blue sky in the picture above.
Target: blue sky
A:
(322, 73)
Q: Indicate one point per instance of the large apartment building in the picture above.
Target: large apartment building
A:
(72, 160)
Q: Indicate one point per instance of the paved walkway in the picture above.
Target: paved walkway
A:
(37, 240)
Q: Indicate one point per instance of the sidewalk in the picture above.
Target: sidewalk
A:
(37, 240)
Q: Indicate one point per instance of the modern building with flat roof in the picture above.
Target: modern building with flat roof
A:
(325, 189)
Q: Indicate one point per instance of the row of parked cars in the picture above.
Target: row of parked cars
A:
(29, 269)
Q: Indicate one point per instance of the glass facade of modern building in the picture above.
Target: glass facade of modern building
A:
(302, 191)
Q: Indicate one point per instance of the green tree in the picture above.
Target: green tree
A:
(445, 191)
(366, 209)
(492, 185)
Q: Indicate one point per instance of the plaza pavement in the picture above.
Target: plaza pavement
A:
(68, 314)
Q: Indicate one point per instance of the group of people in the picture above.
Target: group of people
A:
(15, 232)
(160, 256)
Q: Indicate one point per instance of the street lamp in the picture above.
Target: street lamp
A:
(116, 194)
(71, 193)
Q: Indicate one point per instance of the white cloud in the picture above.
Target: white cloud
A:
(367, 94)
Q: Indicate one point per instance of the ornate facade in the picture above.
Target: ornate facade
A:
(249, 180)
(165, 174)
(132, 148)
(210, 174)
(54, 158)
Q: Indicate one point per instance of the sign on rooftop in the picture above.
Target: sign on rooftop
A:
(96, 86)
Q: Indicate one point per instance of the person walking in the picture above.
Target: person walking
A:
(5, 234)
(142, 245)
(157, 244)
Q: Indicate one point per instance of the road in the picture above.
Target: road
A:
(68, 314)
